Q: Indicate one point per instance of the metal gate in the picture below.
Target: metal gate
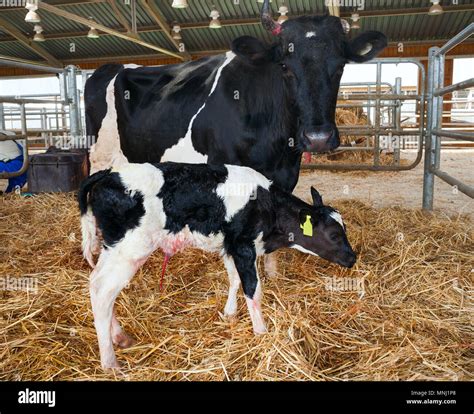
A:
(436, 92)
(393, 133)
(69, 97)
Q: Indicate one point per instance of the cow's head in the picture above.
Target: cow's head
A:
(323, 233)
(311, 53)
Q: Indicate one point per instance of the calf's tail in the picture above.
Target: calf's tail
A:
(90, 241)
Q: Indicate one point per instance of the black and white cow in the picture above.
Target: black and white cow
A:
(258, 105)
(229, 209)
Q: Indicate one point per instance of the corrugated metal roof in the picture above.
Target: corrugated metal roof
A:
(61, 32)
(17, 50)
(83, 47)
(199, 10)
(404, 4)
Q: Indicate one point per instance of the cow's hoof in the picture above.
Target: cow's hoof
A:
(123, 340)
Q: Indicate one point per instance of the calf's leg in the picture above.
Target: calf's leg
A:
(119, 337)
(230, 308)
(246, 264)
(114, 270)
(270, 264)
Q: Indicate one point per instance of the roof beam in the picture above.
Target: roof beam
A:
(87, 22)
(151, 8)
(120, 17)
(17, 34)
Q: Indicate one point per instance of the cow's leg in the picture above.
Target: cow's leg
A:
(246, 264)
(270, 264)
(230, 308)
(114, 270)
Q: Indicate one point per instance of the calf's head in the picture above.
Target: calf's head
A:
(310, 54)
(323, 233)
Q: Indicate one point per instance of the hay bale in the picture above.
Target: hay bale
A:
(414, 321)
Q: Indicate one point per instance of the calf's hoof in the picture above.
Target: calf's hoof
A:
(270, 266)
(110, 365)
(260, 330)
(230, 313)
(123, 340)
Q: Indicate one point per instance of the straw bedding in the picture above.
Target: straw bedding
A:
(414, 321)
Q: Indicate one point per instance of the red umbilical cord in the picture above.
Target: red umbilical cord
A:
(163, 270)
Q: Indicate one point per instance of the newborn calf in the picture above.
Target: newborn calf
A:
(232, 210)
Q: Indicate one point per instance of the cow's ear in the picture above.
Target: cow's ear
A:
(317, 199)
(250, 49)
(365, 46)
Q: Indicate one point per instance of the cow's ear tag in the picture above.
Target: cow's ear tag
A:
(307, 227)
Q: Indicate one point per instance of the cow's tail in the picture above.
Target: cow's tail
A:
(90, 240)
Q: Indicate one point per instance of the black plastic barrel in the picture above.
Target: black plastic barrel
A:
(57, 170)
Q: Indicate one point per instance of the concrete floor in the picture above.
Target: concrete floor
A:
(385, 189)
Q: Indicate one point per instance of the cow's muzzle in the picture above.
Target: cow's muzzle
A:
(347, 259)
(322, 139)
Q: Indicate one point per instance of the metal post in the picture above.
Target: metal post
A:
(432, 123)
(63, 96)
(74, 115)
(438, 101)
(377, 114)
(2, 117)
(397, 120)
(44, 124)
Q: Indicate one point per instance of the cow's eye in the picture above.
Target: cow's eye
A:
(284, 68)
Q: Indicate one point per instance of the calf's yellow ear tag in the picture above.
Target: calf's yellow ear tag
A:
(307, 227)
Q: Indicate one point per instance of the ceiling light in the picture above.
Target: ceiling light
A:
(355, 21)
(179, 4)
(436, 8)
(283, 10)
(38, 37)
(215, 23)
(32, 16)
(93, 34)
(175, 32)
